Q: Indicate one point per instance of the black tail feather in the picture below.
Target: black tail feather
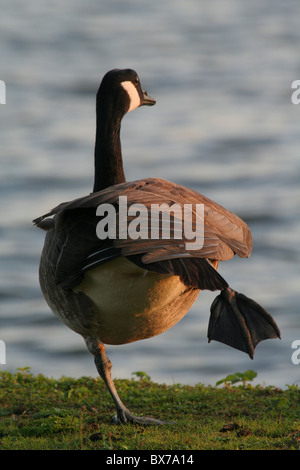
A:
(194, 272)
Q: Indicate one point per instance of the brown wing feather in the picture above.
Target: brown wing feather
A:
(75, 225)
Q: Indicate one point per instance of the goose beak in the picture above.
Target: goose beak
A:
(147, 100)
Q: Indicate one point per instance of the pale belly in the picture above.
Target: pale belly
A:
(133, 303)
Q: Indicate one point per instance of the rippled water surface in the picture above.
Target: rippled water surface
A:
(223, 124)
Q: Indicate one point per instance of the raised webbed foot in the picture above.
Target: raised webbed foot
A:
(240, 322)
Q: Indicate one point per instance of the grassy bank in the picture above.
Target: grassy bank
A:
(37, 412)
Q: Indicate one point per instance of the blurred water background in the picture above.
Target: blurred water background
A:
(224, 125)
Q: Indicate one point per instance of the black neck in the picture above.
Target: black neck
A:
(108, 153)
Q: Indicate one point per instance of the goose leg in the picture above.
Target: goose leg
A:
(240, 322)
(103, 366)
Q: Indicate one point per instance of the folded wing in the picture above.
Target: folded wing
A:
(78, 249)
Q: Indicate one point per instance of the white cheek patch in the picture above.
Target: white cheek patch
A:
(133, 94)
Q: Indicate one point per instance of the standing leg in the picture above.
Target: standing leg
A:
(103, 365)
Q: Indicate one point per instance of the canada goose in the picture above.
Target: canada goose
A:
(119, 290)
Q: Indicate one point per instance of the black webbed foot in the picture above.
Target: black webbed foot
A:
(240, 322)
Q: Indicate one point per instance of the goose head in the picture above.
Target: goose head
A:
(120, 92)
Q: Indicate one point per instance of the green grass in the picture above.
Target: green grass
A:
(41, 413)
